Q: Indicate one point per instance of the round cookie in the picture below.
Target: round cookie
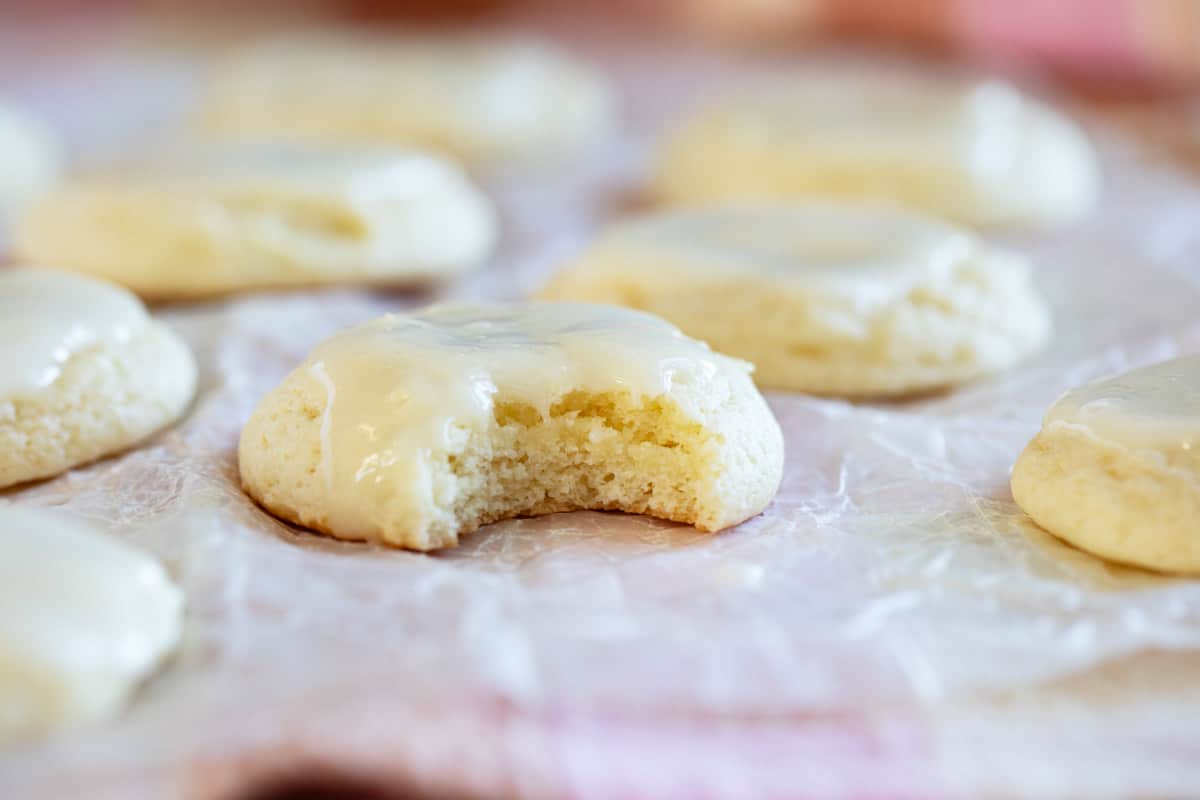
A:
(30, 160)
(1115, 469)
(417, 428)
(479, 98)
(843, 300)
(216, 219)
(84, 373)
(83, 619)
(983, 154)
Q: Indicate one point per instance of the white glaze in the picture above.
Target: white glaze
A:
(406, 385)
(47, 316)
(847, 249)
(1155, 406)
(83, 617)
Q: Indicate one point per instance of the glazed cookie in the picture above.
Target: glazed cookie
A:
(212, 220)
(844, 300)
(83, 618)
(983, 155)
(84, 372)
(417, 428)
(1115, 469)
(30, 160)
(476, 97)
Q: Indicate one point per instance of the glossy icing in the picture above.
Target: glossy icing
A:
(47, 316)
(1155, 406)
(407, 385)
(82, 617)
(851, 248)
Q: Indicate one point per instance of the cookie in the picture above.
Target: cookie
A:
(479, 98)
(213, 220)
(830, 299)
(84, 373)
(83, 619)
(30, 160)
(1115, 469)
(982, 155)
(417, 428)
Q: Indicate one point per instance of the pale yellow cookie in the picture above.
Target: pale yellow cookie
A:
(845, 300)
(84, 373)
(480, 98)
(983, 154)
(1115, 469)
(83, 619)
(417, 428)
(205, 220)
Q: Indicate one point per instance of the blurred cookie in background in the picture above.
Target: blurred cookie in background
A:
(211, 219)
(981, 154)
(481, 98)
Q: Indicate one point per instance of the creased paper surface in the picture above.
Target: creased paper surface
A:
(857, 634)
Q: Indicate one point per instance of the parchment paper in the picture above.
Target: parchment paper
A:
(891, 625)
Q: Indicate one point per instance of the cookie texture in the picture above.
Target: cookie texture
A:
(214, 219)
(480, 98)
(83, 619)
(1115, 469)
(981, 154)
(833, 299)
(416, 429)
(84, 373)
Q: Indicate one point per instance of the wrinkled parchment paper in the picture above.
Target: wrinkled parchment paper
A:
(891, 625)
